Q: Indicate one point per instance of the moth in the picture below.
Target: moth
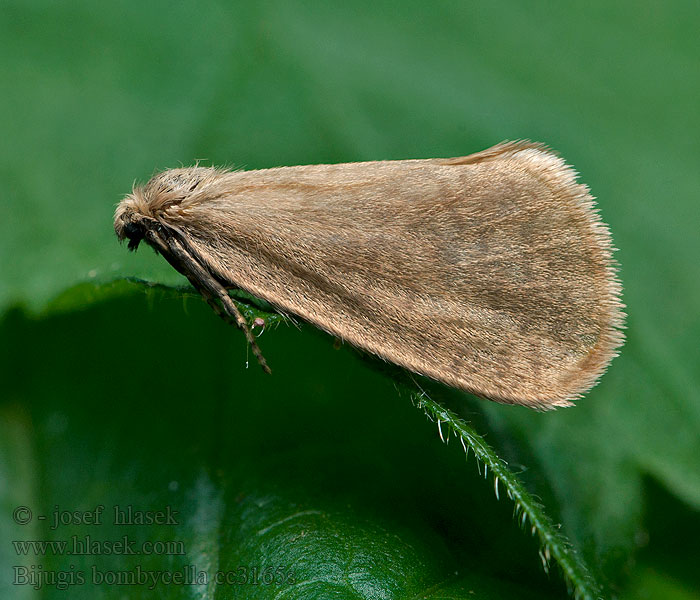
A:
(492, 272)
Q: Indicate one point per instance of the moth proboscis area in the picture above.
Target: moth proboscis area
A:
(492, 272)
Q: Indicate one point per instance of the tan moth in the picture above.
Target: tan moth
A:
(492, 273)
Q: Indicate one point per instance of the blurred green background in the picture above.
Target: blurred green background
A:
(115, 392)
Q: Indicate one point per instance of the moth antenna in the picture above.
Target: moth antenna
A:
(206, 285)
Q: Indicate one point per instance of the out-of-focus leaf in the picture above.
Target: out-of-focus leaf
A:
(100, 95)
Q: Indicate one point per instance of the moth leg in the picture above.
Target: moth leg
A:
(233, 316)
(208, 286)
(231, 310)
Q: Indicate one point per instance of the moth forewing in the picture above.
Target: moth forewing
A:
(491, 273)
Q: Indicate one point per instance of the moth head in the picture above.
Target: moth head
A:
(130, 226)
(132, 219)
(164, 198)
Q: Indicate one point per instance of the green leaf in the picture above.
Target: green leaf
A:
(100, 95)
(529, 511)
(321, 470)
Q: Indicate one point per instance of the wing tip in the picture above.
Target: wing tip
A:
(585, 374)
